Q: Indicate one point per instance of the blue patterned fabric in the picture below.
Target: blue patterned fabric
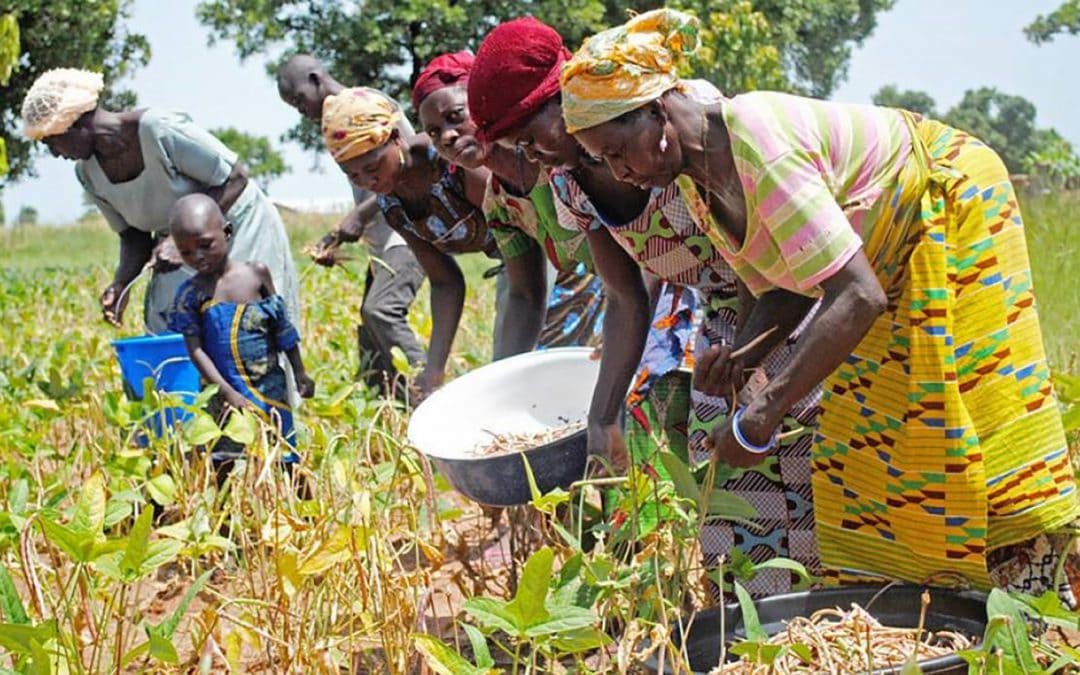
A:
(453, 225)
(244, 340)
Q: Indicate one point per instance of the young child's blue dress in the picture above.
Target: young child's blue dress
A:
(244, 340)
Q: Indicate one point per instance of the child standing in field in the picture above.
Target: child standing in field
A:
(235, 327)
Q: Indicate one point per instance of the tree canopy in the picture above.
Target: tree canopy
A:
(88, 34)
(796, 45)
(1063, 20)
(1003, 121)
(263, 162)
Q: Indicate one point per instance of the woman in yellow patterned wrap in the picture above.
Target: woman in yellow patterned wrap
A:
(940, 446)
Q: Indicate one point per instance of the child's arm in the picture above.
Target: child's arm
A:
(305, 386)
(211, 374)
(287, 336)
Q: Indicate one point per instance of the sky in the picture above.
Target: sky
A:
(939, 47)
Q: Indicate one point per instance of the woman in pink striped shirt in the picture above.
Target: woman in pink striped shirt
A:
(940, 446)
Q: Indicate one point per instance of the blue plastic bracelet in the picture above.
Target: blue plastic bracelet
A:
(747, 445)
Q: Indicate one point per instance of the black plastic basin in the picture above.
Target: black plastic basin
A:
(960, 611)
(501, 480)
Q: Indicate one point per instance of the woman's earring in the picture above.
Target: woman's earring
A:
(400, 156)
(663, 142)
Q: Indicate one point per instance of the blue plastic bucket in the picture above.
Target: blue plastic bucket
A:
(164, 359)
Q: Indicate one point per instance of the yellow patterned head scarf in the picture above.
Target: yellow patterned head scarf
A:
(357, 121)
(623, 68)
(57, 98)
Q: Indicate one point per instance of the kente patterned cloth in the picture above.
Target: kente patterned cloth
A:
(940, 438)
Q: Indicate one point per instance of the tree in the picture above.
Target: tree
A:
(9, 55)
(263, 162)
(812, 38)
(796, 45)
(67, 33)
(1005, 123)
(28, 215)
(915, 101)
(1064, 19)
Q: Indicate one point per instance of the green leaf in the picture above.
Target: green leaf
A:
(10, 603)
(201, 429)
(1011, 634)
(1067, 386)
(528, 603)
(138, 541)
(75, 545)
(162, 649)
(161, 552)
(203, 398)
(166, 628)
(534, 491)
(493, 614)
(18, 496)
(134, 653)
(568, 618)
(751, 623)
(162, 489)
(730, 506)
(581, 640)
(441, 658)
(479, 647)
(1048, 607)
(241, 428)
(681, 477)
(117, 511)
(1070, 419)
(20, 639)
(794, 566)
(89, 516)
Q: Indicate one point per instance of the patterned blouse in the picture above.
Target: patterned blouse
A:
(814, 175)
(536, 216)
(453, 225)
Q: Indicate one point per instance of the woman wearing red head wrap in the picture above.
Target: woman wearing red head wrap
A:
(515, 101)
(518, 200)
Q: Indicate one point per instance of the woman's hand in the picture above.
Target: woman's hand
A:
(113, 303)
(606, 440)
(755, 428)
(166, 257)
(425, 383)
(717, 374)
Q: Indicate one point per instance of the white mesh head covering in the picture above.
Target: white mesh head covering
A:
(57, 99)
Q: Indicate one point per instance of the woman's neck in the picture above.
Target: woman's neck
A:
(116, 135)
(703, 138)
(512, 169)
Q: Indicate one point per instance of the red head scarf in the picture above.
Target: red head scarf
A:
(515, 73)
(447, 70)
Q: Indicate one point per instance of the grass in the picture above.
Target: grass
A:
(1054, 247)
(254, 578)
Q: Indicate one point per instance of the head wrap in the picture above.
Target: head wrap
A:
(357, 121)
(58, 98)
(623, 68)
(448, 70)
(515, 73)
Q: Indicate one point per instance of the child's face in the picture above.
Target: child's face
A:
(205, 249)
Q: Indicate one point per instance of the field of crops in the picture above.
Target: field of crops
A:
(120, 557)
